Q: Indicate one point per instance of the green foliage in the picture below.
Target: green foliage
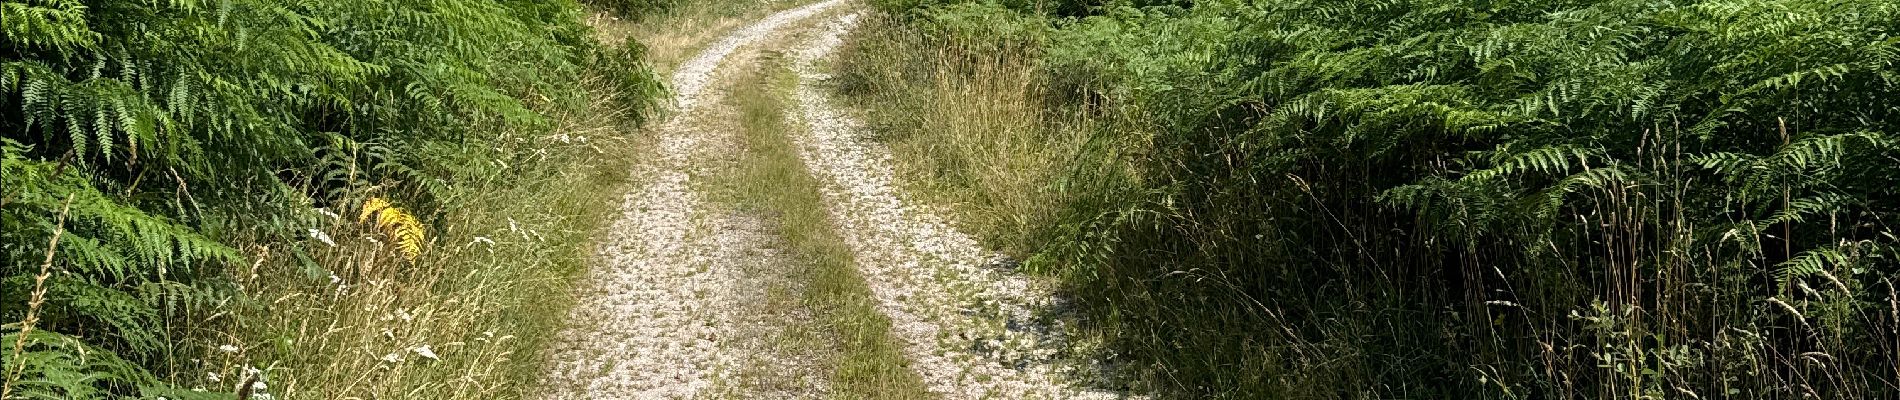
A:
(1412, 198)
(635, 8)
(64, 367)
(182, 128)
(638, 89)
(1058, 8)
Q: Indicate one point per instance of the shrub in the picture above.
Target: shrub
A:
(1532, 199)
(184, 132)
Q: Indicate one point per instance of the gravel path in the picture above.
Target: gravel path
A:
(678, 307)
(970, 324)
(693, 76)
(669, 313)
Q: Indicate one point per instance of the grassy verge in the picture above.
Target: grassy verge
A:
(405, 223)
(972, 125)
(468, 318)
(349, 316)
(969, 133)
(771, 180)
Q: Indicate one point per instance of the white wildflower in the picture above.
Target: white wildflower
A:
(214, 377)
(327, 213)
(425, 352)
(392, 358)
(516, 228)
(228, 348)
(484, 240)
(335, 279)
(322, 237)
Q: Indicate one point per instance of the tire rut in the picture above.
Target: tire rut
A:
(666, 314)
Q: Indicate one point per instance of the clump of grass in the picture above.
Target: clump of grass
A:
(865, 361)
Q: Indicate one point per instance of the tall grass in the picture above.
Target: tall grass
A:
(468, 318)
(1428, 199)
(973, 123)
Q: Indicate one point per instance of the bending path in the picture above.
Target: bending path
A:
(674, 310)
(651, 319)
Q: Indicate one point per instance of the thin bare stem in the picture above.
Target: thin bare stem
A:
(33, 304)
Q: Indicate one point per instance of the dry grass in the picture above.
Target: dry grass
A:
(353, 317)
(970, 131)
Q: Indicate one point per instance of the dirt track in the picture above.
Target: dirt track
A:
(673, 309)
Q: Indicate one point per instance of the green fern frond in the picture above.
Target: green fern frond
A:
(1797, 210)
(1808, 263)
(58, 366)
(59, 24)
(1543, 160)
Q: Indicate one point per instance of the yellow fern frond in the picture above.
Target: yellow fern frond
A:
(400, 226)
(404, 229)
(409, 238)
(370, 207)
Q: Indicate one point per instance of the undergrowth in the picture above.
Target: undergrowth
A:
(299, 199)
(1428, 198)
